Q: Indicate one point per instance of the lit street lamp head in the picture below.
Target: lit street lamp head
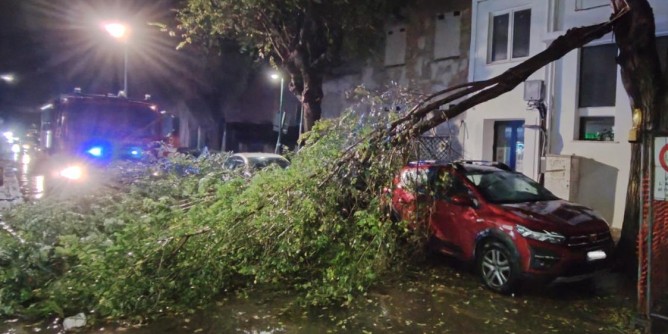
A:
(116, 30)
(8, 78)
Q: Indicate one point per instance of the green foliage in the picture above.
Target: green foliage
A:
(170, 243)
(279, 27)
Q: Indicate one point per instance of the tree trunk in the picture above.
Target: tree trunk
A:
(312, 99)
(625, 252)
(306, 84)
(641, 74)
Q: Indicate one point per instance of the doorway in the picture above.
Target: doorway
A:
(509, 143)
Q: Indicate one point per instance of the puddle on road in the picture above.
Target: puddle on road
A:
(436, 299)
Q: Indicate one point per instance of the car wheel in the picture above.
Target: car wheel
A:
(395, 217)
(498, 269)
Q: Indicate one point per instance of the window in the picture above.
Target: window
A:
(234, 162)
(597, 92)
(395, 45)
(591, 4)
(510, 34)
(662, 49)
(416, 180)
(597, 128)
(447, 35)
(598, 76)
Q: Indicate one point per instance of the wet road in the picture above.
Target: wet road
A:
(436, 297)
(20, 183)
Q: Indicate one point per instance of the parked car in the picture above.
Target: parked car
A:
(508, 225)
(255, 161)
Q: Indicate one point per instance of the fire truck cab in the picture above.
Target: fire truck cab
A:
(84, 129)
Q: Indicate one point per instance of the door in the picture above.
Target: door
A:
(411, 195)
(509, 143)
(454, 215)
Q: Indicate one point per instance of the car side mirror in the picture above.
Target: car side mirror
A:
(462, 200)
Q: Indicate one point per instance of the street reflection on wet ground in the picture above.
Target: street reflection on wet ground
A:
(32, 185)
(436, 297)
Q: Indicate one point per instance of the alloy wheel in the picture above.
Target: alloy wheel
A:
(495, 268)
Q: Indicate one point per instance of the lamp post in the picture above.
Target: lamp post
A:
(281, 114)
(119, 31)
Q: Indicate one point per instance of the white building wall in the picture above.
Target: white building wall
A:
(604, 167)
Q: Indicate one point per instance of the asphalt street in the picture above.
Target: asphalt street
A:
(10, 190)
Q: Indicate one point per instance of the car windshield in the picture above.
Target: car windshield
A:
(508, 187)
(263, 162)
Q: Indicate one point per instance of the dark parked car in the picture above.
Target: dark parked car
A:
(507, 224)
(255, 161)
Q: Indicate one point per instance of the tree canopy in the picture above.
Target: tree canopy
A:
(304, 38)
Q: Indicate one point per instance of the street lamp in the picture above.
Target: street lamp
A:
(120, 31)
(8, 77)
(281, 114)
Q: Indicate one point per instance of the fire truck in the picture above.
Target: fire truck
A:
(83, 131)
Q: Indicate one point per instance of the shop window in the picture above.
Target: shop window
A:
(597, 128)
(510, 35)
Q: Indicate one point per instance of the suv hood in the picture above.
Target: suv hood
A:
(557, 215)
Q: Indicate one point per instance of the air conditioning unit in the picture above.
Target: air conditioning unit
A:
(562, 175)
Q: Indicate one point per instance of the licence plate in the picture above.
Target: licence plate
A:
(596, 255)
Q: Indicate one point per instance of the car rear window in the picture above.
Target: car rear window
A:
(259, 163)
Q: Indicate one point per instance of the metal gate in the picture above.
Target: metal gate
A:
(434, 148)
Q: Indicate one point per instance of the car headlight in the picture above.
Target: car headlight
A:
(545, 236)
(72, 172)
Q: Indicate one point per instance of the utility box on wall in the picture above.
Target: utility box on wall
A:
(562, 175)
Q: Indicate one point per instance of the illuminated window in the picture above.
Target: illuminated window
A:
(597, 128)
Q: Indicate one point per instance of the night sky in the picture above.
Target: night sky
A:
(53, 46)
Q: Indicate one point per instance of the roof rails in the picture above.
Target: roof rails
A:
(497, 164)
(421, 162)
(461, 163)
(428, 162)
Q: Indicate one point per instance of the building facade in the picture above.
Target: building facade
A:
(578, 147)
(584, 154)
(426, 49)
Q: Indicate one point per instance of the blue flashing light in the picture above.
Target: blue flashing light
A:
(96, 151)
(134, 152)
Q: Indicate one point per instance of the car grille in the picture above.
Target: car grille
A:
(589, 240)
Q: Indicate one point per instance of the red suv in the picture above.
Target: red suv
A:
(510, 226)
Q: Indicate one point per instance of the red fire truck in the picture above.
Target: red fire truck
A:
(79, 130)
